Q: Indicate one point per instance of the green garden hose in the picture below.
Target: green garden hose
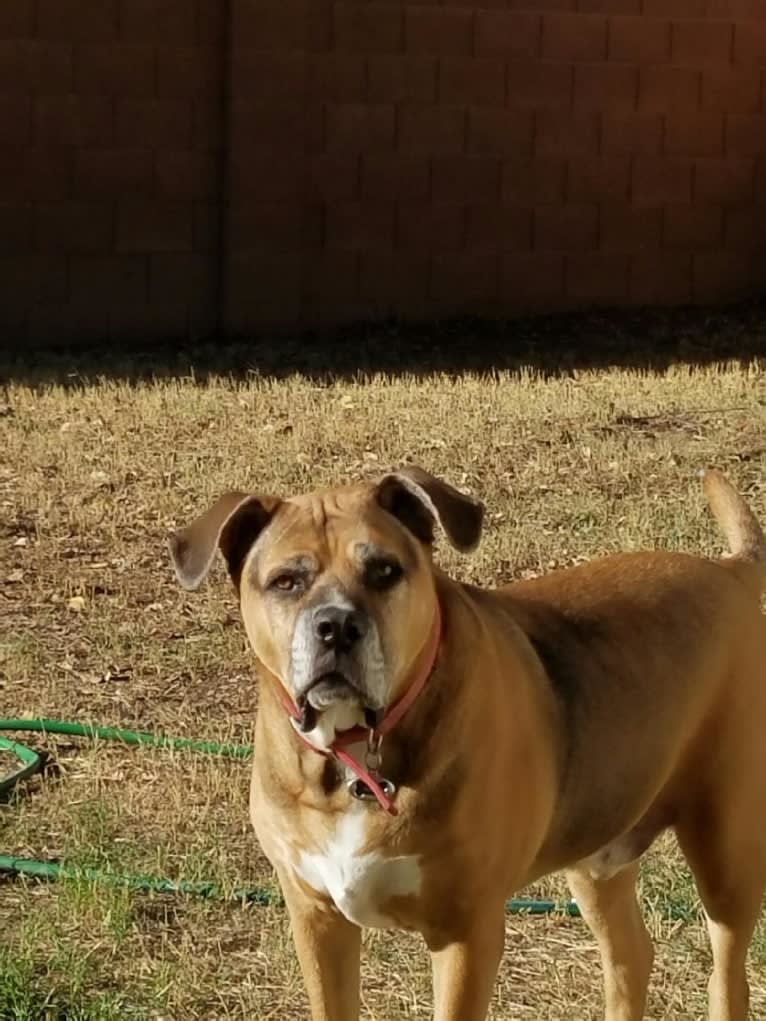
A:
(32, 762)
(236, 751)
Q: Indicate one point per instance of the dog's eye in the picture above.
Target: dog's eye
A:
(382, 574)
(285, 583)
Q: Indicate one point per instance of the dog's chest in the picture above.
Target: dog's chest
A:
(359, 882)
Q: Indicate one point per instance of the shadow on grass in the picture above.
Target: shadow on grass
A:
(646, 339)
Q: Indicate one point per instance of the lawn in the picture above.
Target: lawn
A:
(95, 472)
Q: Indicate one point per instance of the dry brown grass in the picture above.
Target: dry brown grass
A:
(92, 478)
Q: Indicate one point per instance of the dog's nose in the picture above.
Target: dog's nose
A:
(338, 628)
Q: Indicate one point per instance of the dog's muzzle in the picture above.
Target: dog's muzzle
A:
(335, 662)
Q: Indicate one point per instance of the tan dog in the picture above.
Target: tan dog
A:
(560, 723)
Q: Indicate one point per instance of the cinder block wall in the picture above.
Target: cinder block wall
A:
(110, 135)
(172, 167)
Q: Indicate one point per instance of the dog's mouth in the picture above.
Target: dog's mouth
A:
(331, 689)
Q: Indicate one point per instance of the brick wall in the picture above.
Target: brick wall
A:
(110, 122)
(168, 167)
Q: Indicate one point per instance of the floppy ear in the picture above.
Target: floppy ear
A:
(419, 500)
(231, 525)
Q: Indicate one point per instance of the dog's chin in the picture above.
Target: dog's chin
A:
(333, 689)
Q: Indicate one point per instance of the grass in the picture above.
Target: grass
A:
(94, 473)
(28, 995)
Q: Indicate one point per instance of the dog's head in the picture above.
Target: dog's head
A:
(336, 587)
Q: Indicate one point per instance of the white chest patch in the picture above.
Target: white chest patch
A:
(359, 883)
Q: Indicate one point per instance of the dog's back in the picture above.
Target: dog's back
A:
(642, 649)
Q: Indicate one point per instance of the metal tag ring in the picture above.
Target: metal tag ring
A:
(358, 789)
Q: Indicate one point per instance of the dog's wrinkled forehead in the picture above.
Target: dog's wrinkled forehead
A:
(332, 527)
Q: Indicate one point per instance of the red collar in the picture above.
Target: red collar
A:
(393, 716)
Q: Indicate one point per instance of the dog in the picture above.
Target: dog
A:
(424, 748)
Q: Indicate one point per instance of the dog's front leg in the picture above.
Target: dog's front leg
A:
(465, 967)
(329, 949)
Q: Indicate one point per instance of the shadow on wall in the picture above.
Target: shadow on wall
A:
(646, 339)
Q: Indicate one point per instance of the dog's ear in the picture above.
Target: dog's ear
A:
(419, 500)
(231, 525)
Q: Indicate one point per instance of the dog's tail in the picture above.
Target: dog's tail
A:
(747, 542)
